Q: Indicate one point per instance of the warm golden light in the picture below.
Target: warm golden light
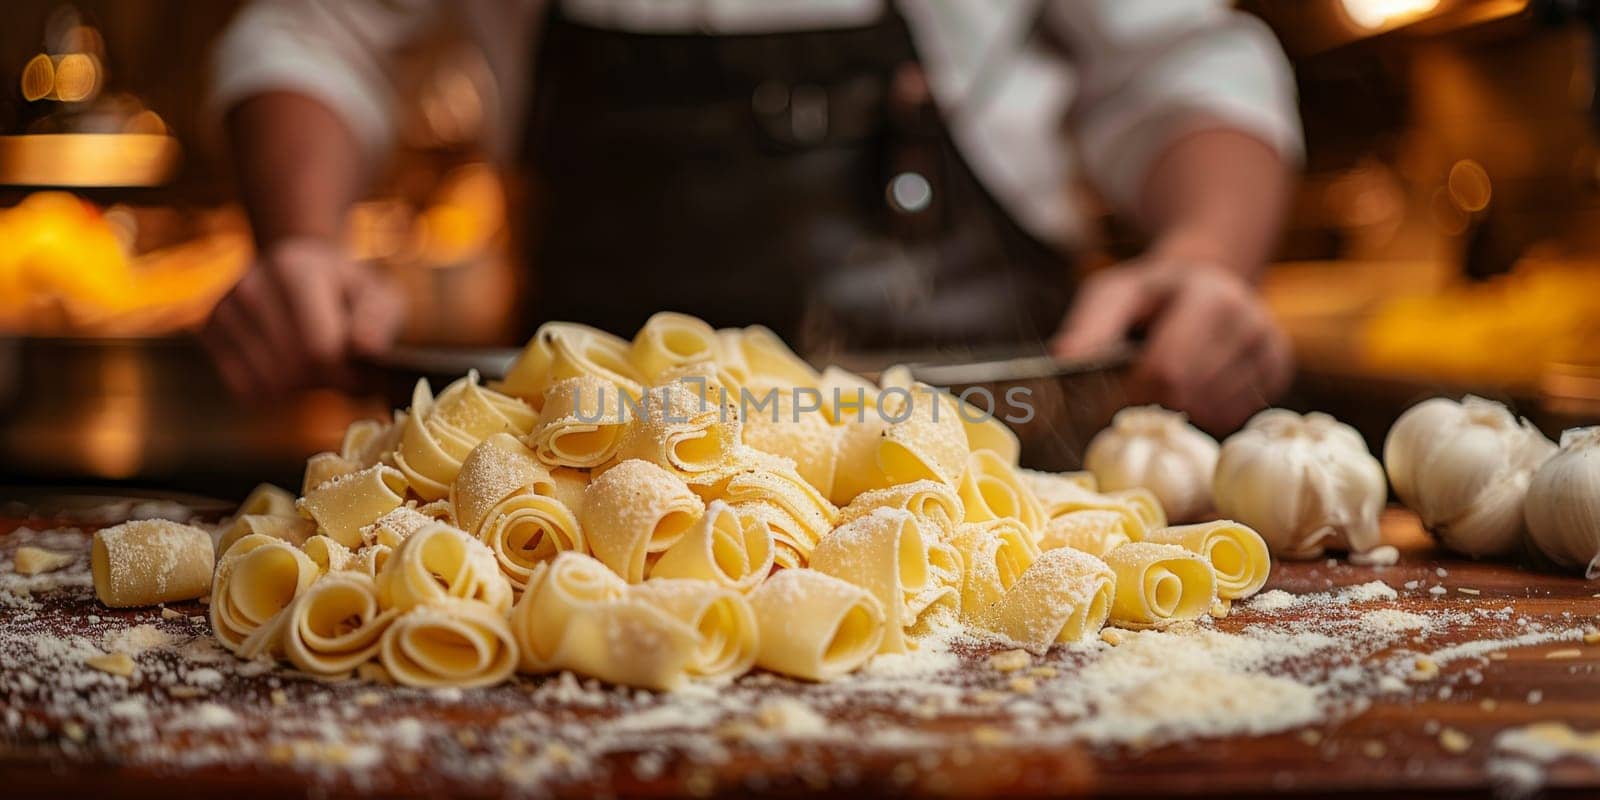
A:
(1470, 188)
(77, 77)
(1381, 14)
(38, 78)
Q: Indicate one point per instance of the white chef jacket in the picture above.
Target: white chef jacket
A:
(1134, 75)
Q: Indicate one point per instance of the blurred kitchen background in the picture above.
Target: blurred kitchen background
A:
(1445, 238)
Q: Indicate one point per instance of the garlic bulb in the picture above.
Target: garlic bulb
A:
(1563, 505)
(1305, 484)
(1464, 468)
(1157, 449)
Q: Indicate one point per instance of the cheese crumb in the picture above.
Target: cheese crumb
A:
(1112, 636)
(35, 560)
(1591, 636)
(118, 663)
(1423, 669)
(1569, 652)
(1010, 660)
(167, 613)
(1023, 685)
(1373, 748)
(1454, 741)
(1468, 590)
(1220, 609)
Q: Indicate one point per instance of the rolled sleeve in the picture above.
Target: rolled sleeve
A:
(1154, 71)
(338, 53)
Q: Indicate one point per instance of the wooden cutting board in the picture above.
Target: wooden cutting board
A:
(1394, 745)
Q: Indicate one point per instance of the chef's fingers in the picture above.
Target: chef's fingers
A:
(235, 376)
(1107, 306)
(1192, 333)
(377, 310)
(267, 312)
(246, 348)
(1238, 324)
(308, 275)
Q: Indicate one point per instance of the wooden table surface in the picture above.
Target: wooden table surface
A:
(1392, 745)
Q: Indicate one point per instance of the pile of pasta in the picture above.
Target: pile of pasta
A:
(544, 524)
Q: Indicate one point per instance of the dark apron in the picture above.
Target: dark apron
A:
(771, 179)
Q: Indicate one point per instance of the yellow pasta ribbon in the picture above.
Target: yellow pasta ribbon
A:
(1095, 531)
(255, 581)
(440, 562)
(1159, 584)
(991, 489)
(1236, 553)
(1064, 596)
(720, 548)
(449, 642)
(335, 624)
(633, 510)
(842, 625)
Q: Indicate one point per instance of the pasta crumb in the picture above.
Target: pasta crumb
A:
(36, 560)
(1454, 741)
(1569, 652)
(111, 663)
(1010, 660)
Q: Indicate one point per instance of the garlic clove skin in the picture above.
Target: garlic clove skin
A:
(1305, 483)
(1464, 468)
(1153, 448)
(1562, 509)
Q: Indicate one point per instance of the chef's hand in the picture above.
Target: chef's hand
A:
(296, 317)
(1212, 349)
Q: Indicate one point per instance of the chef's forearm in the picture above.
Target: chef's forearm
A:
(298, 166)
(1217, 196)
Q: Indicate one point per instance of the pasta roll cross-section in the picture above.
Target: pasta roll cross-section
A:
(449, 642)
(255, 581)
(344, 505)
(761, 484)
(578, 615)
(439, 432)
(677, 428)
(720, 548)
(634, 510)
(994, 555)
(885, 553)
(1236, 553)
(334, 625)
(440, 562)
(991, 489)
(327, 554)
(581, 425)
(668, 340)
(506, 498)
(560, 350)
(815, 626)
(933, 504)
(925, 439)
(781, 425)
(1064, 596)
(395, 527)
(145, 562)
(726, 637)
(1159, 584)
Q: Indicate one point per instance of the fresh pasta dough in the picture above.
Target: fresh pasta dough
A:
(439, 432)
(255, 581)
(884, 553)
(145, 562)
(1064, 596)
(439, 562)
(395, 527)
(726, 637)
(293, 529)
(668, 340)
(933, 504)
(1237, 554)
(806, 436)
(1145, 503)
(993, 555)
(366, 442)
(449, 642)
(344, 505)
(929, 444)
(561, 350)
(634, 510)
(768, 490)
(1159, 584)
(327, 554)
(505, 498)
(679, 430)
(577, 615)
(268, 500)
(335, 624)
(991, 489)
(842, 624)
(720, 548)
(581, 424)
(1058, 498)
(1095, 531)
